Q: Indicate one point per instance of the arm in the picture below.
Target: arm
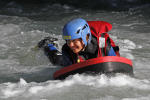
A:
(56, 58)
(109, 49)
(53, 54)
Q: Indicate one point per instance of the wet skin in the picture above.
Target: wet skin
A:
(75, 45)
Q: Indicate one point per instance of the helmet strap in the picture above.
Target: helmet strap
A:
(87, 37)
(83, 45)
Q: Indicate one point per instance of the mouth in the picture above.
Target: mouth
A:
(74, 49)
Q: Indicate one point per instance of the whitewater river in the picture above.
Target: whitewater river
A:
(26, 73)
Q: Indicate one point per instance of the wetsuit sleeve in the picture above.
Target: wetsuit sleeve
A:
(111, 50)
(66, 56)
(56, 57)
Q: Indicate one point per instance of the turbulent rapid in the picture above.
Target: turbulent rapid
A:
(26, 73)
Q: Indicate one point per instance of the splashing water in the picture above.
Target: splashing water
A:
(26, 73)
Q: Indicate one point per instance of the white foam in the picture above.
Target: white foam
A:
(22, 82)
(13, 89)
(36, 89)
(117, 81)
(126, 47)
(125, 44)
(10, 93)
(138, 98)
(44, 89)
(130, 44)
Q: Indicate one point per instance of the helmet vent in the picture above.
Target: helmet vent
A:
(78, 31)
(84, 26)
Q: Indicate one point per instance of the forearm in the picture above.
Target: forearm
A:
(54, 56)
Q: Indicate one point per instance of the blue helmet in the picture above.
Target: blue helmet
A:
(77, 28)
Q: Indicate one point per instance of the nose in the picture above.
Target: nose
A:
(70, 44)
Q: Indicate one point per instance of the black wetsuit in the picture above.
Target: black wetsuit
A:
(67, 57)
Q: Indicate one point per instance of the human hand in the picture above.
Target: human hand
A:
(46, 41)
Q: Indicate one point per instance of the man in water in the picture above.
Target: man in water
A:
(84, 40)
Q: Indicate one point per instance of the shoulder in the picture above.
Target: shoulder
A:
(66, 50)
(92, 46)
(93, 39)
(65, 47)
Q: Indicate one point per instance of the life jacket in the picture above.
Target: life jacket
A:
(99, 29)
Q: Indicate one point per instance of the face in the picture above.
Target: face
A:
(75, 45)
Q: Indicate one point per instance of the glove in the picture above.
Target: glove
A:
(52, 47)
(47, 40)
